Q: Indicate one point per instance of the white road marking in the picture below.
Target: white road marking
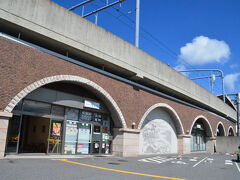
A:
(200, 161)
(228, 162)
(237, 166)
(192, 160)
(178, 162)
(159, 160)
(210, 160)
(156, 159)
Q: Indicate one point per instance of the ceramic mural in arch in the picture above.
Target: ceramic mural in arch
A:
(158, 135)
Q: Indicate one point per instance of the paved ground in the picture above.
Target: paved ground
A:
(176, 167)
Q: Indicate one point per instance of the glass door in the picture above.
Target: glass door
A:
(96, 139)
(13, 134)
(84, 138)
(55, 137)
(70, 137)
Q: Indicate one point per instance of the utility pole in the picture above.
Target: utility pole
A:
(238, 114)
(137, 23)
(236, 102)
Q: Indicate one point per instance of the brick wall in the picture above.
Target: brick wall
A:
(21, 66)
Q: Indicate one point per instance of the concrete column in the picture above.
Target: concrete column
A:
(184, 144)
(4, 118)
(210, 144)
(125, 142)
(117, 142)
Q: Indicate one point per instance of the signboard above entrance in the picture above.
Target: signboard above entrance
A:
(91, 104)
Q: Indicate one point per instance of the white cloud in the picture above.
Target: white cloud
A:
(230, 80)
(234, 66)
(203, 50)
(181, 67)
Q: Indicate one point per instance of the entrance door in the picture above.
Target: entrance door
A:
(55, 137)
(96, 139)
(13, 134)
(34, 134)
(84, 138)
(198, 142)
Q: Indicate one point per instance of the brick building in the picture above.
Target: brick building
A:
(70, 87)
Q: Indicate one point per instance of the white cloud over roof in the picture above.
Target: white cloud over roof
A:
(230, 80)
(203, 50)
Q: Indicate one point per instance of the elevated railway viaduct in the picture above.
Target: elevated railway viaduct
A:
(71, 87)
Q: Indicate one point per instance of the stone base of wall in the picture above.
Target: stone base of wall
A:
(184, 144)
(125, 142)
(4, 118)
(210, 144)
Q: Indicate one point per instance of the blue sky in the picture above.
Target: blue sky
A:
(185, 34)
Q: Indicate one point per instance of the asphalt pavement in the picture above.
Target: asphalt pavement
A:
(176, 167)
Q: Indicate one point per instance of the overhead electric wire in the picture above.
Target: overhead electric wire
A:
(154, 40)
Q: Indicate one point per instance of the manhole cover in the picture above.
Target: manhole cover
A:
(100, 156)
(113, 163)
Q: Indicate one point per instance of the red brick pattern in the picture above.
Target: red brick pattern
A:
(21, 66)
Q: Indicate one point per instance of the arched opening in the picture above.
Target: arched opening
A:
(200, 130)
(220, 129)
(159, 129)
(230, 131)
(65, 116)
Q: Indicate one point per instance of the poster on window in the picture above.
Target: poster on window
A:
(83, 148)
(56, 129)
(71, 137)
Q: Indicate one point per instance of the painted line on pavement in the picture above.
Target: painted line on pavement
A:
(237, 166)
(200, 161)
(115, 170)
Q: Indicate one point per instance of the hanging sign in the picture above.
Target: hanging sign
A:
(91, 104)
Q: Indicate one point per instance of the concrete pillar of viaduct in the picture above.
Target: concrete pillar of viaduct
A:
(4, 118)
(125, 142)
(184, 144)
(210, 144)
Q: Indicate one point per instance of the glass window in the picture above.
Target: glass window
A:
(106, 126)
(36, 107)
(97, 117)
(71, 137)
(55, 140)
(85, 116)
(84, 138)
(57, 110)
(12, 136)
(72, 114)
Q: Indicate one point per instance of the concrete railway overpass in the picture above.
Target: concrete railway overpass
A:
(71, 87)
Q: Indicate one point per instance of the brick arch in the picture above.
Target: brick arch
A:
(105, 96)
(206, 124)
(230, 127)
(221, 124)
(172, 113)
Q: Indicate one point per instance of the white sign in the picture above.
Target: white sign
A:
(91, 104)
